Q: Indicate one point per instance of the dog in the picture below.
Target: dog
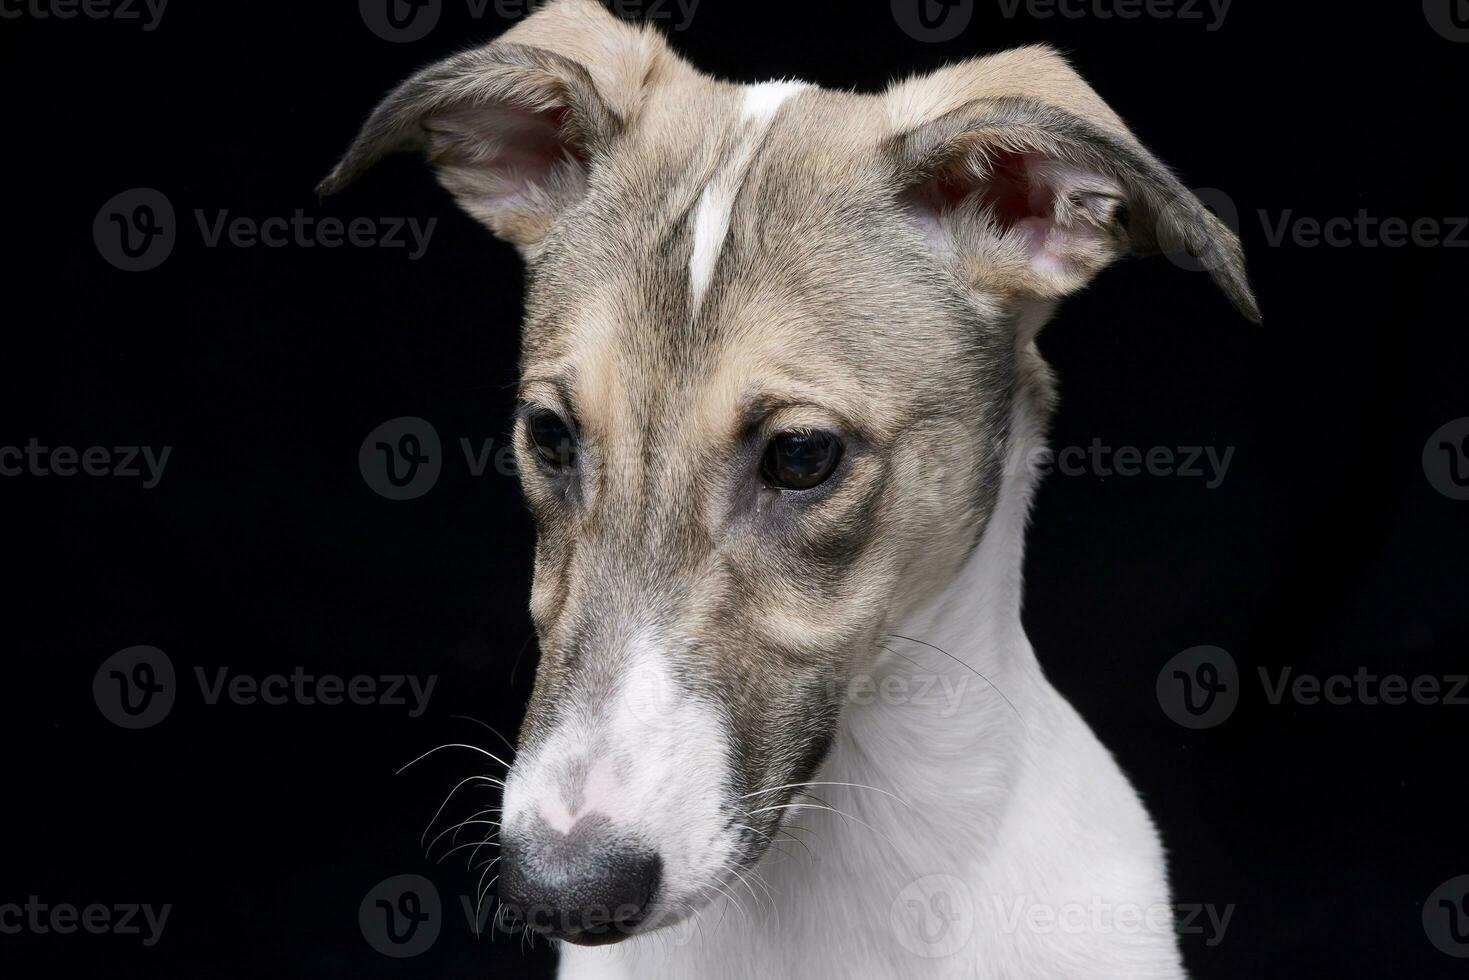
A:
(779, 393)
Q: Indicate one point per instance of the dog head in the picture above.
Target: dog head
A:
(775, 343)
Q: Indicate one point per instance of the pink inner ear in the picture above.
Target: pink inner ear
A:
(528, 144)
(1015, 200)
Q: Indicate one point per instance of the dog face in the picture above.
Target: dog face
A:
(775, 342)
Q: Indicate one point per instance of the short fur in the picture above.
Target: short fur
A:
(713, 264)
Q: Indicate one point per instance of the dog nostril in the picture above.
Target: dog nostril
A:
(584, 888)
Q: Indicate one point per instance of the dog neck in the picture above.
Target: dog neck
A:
(958, 689)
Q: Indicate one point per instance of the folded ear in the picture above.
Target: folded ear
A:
(512, 127)
(1024, 179)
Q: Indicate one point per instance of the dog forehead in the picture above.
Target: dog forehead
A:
(749, 239)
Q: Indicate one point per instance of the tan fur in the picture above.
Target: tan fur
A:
(834, 304)
(1033, 72)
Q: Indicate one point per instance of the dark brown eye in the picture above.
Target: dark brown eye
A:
(551, 439)
(800, 460)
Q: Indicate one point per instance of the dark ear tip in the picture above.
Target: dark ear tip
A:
(1250, 310)
(1244, 301)
(330, 184)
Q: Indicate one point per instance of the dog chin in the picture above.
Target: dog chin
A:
(607, 937)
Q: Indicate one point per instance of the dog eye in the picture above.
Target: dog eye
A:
(800, 460)
(551, 439)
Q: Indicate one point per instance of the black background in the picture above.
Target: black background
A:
(263, 549)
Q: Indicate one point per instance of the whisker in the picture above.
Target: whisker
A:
(992, 684)
(488, 840)
(733, 899)
(771, 841)
(744, 881)
(444, 804)
(831, 809)
(472, 816)
(875, 789)
(492, 729)
(454, 745)
(460, 847)
(488, 823)
(486, 891)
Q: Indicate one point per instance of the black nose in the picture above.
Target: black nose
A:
(587, 887)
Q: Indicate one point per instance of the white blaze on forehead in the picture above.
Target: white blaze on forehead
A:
(764, 100)
(711, 218)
